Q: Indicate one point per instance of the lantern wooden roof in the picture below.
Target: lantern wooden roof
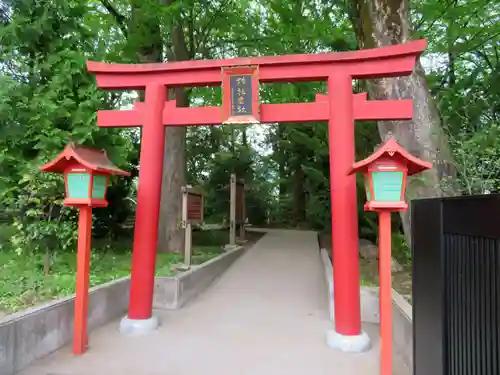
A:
(392, 148)
(91, 158)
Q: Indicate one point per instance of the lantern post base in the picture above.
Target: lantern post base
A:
(138, 327)
(350, 344)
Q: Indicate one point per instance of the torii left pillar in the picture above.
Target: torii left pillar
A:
(140, 318)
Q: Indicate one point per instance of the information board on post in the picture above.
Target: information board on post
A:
(192, 206)
(240, 95)
(192, 213)
(237, 209)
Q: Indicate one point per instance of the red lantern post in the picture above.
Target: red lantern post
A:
(86, 177)
(385, 173)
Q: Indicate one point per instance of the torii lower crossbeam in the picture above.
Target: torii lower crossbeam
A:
(340, 107)
(363, 109)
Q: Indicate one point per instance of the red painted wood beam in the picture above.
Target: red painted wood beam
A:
(411, 48)
(389, 61)
(291, 112)
(112, 118)
(373, 110)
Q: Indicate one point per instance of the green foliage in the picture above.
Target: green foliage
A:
(39, 227)
(400, 249)
(23, 282)
(477, 158)
(50, 100)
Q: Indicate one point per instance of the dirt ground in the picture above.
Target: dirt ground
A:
(368, 269)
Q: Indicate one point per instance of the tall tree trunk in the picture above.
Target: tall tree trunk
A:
(145, 41)
(379, 23)
(170, 234)
(144, 38)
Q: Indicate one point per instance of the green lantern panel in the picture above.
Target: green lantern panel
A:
(387, 186)
(99, 186)
(78, 185)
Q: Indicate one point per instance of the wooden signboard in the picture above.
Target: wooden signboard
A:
(192, 213)
(237, 209)
(192, 206)
(240, 95)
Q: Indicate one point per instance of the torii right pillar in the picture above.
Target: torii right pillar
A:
(347, 334)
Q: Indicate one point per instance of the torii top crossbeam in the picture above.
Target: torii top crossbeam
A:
(397, 60)
(389, 61)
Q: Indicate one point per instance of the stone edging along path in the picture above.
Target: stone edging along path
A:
(401, 313)
(36, 332)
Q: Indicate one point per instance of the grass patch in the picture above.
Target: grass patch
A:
(368, 270)
(401, 281)
(23, 282)
(166, 262)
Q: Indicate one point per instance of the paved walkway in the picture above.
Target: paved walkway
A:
(267, 315)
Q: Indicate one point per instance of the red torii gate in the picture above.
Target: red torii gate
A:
(340, 107)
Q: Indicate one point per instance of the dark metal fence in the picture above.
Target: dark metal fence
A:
(456, 285)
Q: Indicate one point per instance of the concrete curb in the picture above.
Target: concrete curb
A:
(402, 335)
(327, 265)
(37, 332)
(171, 293)
(401, 313)
(369, 295)
(258, 230)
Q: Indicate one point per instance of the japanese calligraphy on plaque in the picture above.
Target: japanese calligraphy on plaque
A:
(240, 95)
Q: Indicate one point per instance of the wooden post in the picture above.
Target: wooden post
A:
(243, 216)
(187, 228)
(232, 211)
(80, 335)
(188, 236)
(192, 213)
